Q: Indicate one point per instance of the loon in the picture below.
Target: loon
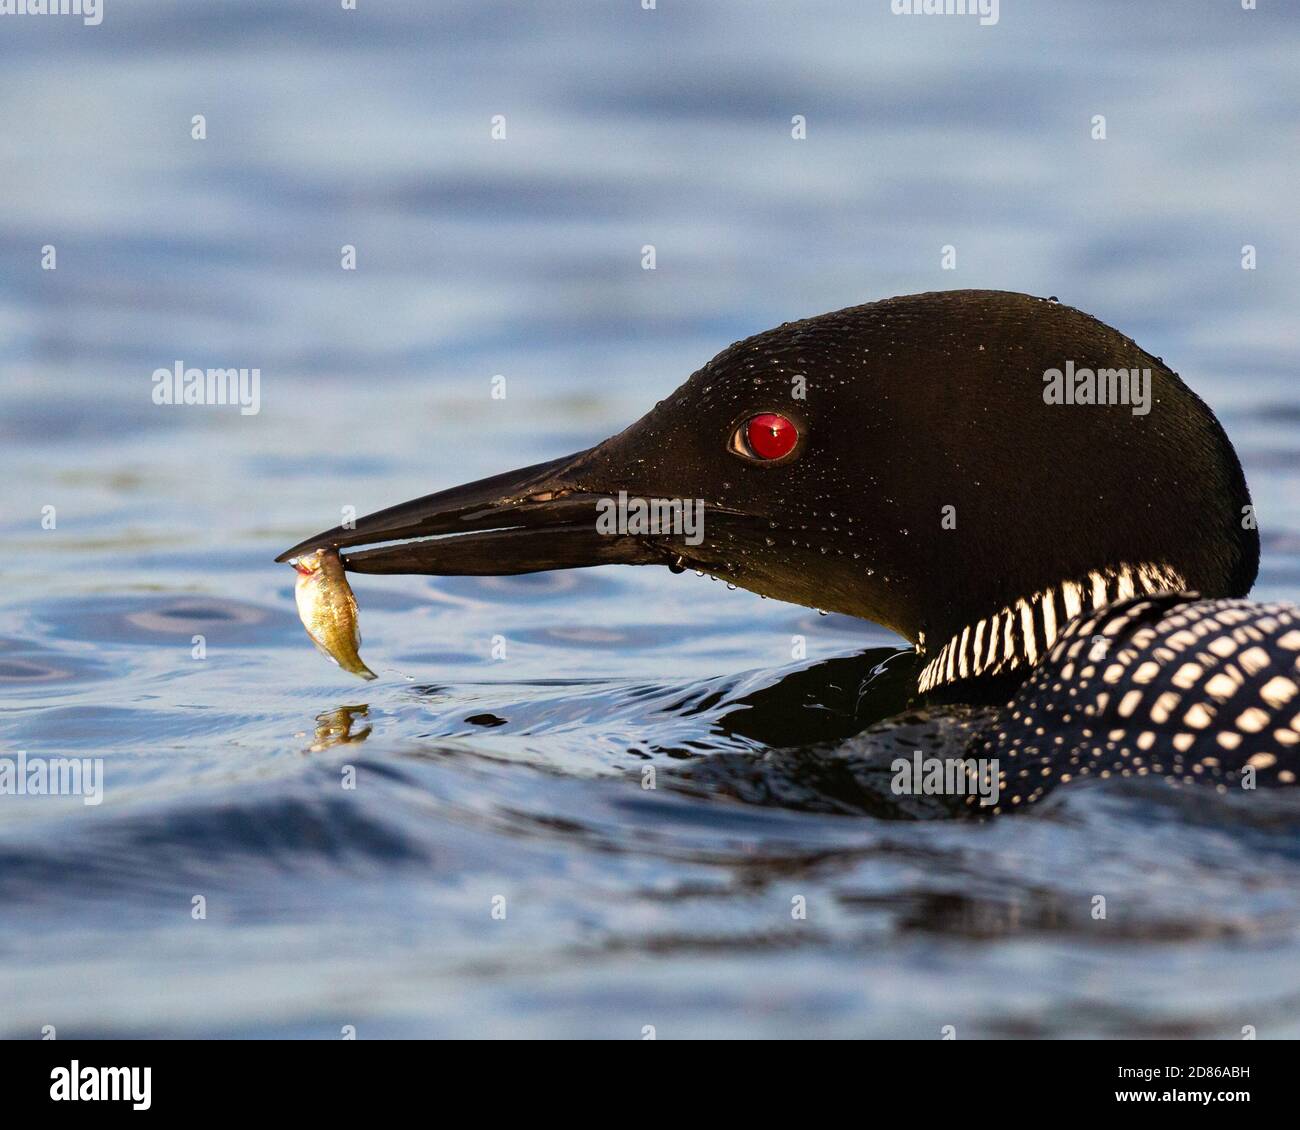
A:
(1072, 561)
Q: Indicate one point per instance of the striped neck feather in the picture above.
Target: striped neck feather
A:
(1017, 635)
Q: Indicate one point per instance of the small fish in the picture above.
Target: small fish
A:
(329, 610)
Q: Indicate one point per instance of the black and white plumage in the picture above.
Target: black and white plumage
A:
(1194, 691)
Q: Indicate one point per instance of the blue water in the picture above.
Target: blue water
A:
(519, 778)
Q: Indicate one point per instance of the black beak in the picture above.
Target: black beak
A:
(523, 521)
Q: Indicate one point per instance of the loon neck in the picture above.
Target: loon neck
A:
(1017, 635)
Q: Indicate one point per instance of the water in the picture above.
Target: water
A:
(520, 778)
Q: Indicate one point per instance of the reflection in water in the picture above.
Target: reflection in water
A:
(830, 700)
(335, 727)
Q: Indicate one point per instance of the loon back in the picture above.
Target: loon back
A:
(1195, 691)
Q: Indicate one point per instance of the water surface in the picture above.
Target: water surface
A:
(484, 775)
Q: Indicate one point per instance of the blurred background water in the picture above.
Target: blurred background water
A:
(521, 777)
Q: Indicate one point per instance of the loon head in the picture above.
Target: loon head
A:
(968, 468)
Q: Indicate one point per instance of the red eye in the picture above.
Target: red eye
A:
(770, 436)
